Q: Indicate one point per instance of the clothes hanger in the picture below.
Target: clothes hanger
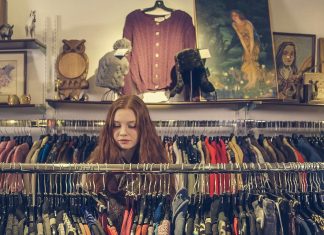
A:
(158, 5)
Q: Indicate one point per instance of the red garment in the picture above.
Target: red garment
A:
(235, 226)
(86, 228)
(129, 223)
(16, 180)
(154, 45)
(223, 159)
(213, 178)
(145, 229)
(138, 229)
(3, 145)
(124, 224)
(103, 220)
(111, 230)
(5, 152)
(3, 177)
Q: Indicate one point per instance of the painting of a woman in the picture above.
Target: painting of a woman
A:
(239, 38)
(287, 71)
(251, 47)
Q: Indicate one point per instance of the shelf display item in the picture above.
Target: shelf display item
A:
(113, 67)
(191, 73)
(72, 69)
(155, 39)
(295, 55)
(6, 31)
(316, 82)
(31, 24)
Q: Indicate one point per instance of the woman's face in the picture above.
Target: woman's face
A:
(235, 16)
(288, 55)
(125, 131)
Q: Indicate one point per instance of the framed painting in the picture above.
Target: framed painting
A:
(238, 36)
(295, 55)
(13, 74)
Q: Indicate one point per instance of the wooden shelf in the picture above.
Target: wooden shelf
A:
(38, 108)
(239, 103)
(21, 44)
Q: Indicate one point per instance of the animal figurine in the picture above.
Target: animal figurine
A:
(25, 99)
(6, 31)
(5, 77)
(13, 100)
(31, 24)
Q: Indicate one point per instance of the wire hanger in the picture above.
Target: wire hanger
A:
(158, 5)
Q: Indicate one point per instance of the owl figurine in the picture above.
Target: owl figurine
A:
(72, 69)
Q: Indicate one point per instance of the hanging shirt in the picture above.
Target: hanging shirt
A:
(213, 178)
(155, 41)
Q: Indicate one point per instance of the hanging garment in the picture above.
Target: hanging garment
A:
(154, 46)
(179, 209)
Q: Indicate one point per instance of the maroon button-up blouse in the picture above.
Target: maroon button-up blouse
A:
(155, 45)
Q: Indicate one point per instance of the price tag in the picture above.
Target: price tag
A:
(120, 52)
(204, 53)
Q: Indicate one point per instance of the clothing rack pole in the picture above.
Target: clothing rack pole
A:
(161, 168)
(168, 123)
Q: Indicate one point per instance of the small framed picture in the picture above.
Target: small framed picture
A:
(295, 55)
(13, 73)
(315, 82)
(321, 54)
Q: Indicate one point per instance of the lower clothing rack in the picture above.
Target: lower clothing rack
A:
(160, 168)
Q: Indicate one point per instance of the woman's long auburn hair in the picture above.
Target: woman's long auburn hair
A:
(149, 147)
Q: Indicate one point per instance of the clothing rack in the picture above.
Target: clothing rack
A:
(250, 123)
(160, 168)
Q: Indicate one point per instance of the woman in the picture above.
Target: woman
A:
(251, 48)
(287, 71)
(128, 136)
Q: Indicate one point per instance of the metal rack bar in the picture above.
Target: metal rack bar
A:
(250, 123)
(160, 168)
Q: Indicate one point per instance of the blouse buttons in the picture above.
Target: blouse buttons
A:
(157, 33)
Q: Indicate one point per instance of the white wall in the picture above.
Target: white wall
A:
(101, 22)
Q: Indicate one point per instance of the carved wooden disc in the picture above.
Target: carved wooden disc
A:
(72, 65)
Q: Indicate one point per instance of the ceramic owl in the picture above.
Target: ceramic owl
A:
(72, 69)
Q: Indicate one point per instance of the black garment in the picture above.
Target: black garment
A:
(252, 223)
(313, 226)
(214, 210)
(289, 153)
(303, 227)
(284, 209)
(279, 155)
(265, 155)
(52, 156)
(243, 223)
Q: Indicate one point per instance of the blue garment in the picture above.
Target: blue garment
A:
(308, 151)
(45, 152)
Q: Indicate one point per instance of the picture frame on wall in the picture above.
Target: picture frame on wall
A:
(295, 55)
(239, 38)
(321, 54)
(13, 73)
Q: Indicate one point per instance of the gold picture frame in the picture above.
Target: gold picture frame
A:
(13, 73)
